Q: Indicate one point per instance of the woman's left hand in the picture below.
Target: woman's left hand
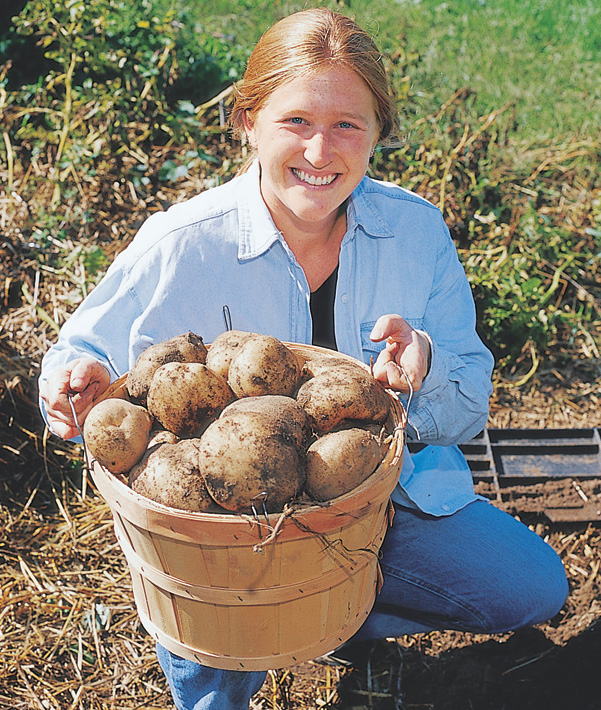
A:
(406, 348)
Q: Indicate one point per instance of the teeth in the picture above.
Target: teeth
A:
(311, 179)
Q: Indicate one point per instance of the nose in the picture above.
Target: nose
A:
(318, 150)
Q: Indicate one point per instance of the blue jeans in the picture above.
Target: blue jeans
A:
(477, 570)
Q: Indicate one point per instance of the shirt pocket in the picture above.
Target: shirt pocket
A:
(371, 349)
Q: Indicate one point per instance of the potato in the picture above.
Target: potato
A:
(181, 348)
(333, 396)
(186, 396)
(116, 434)
(243, 456)
(319, 363)
(264, 365)
(381, 431)
(286, 413)
(224, 348)
(169, 474)
(339, 461)
(162, 436)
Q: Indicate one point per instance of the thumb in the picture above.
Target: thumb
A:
(80, 376)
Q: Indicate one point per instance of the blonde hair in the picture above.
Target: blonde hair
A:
(306, 42)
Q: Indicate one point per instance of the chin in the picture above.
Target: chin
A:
(314, 213)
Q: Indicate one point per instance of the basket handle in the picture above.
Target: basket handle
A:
(87, 466)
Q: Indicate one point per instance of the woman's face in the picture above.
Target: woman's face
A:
(314, 137)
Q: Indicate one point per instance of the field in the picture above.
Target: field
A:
(107, 115)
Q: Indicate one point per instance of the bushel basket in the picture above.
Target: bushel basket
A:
(242, 592)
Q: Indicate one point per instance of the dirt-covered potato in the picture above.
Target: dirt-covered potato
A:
(187, 347)
(185, 396)
(169, 474)
(225, 346)
(382, 431)
(245, 457)
(286, 413)
(162, 436)
(319, 363)
(116, 434)
(339, 461)
(264, 365)
(336, 395)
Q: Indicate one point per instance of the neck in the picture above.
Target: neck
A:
(317, 250)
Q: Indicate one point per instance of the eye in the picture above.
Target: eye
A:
(345, 124)
(296, 120)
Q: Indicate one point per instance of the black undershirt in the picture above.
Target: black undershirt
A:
(322, 312)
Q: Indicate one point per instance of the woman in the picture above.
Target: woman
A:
(304, 247)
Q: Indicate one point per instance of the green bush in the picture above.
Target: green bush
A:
(116, 76)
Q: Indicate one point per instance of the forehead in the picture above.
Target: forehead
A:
(332, 89)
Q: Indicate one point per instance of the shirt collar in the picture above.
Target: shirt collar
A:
(258, 231)
(362, 212)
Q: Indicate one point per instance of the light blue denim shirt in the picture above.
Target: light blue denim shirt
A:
(221, 248)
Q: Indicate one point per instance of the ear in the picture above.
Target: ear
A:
(249, 128)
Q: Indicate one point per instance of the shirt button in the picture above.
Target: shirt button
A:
(446, 506)
(344, 298)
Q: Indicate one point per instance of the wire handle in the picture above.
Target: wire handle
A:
(403, 425)
(410, 396)
(262, 497)
(227, 317)
(74, 413)
(87, 466)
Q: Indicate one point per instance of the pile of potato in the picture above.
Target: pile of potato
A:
(246, 423)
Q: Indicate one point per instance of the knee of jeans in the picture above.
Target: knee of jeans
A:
(532, 595)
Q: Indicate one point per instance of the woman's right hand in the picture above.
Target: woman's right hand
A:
(84, 380)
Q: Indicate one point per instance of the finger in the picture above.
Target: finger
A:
(78, 384)
(397, 377)
(61, 420)
(400, 367)
(387, 370)
(54, 396)
(379, 368)
(414, 358)
(62, 429)
(410, 373)
(86, 372)
(386, 326)
(62, 424)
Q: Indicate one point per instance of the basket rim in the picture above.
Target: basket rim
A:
(342, 505)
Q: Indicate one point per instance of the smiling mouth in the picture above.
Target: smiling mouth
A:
(312, 179)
